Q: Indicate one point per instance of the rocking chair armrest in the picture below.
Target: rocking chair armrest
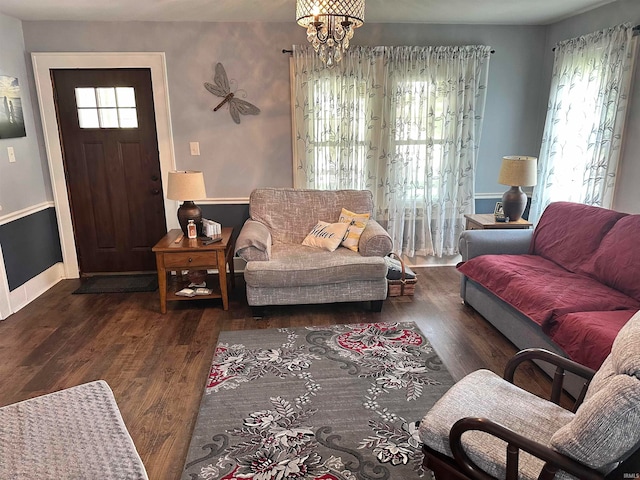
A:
(515, 442)
(561, 364)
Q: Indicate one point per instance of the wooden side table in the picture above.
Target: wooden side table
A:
(175, 252)
(487, 221)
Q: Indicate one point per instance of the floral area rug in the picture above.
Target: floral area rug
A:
(319, 403)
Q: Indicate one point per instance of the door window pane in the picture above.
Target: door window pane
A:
(126, 97)
(86, 97)
(88, 118)
(128, 118)
(106, 107)
(106, 97)
(108, 118)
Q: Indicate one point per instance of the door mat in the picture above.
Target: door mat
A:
(319, 403)
(119, 284)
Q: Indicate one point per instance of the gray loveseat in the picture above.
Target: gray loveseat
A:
(569, 286)
(282, 271)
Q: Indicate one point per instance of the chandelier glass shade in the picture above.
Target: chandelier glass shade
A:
(330, 25)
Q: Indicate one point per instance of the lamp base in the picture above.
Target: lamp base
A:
(514, 201)
(189, 211)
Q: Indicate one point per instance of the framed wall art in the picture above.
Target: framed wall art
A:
(11, 115)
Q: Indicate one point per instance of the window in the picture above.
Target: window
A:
(582, 138)
(106, 107)
(419, 137)
(330, 127)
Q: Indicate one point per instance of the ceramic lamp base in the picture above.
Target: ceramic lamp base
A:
(514, 201)
(189, 211)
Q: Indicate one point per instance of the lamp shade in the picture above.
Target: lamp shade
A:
(186, 185)
(518, 171)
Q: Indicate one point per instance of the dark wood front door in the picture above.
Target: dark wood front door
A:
(112, 167)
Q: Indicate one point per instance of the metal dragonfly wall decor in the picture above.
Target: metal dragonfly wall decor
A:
(220, 87)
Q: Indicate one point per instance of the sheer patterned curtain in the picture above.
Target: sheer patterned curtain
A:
(435, 105)
(580, 148)
(403, 122)
(336, 112)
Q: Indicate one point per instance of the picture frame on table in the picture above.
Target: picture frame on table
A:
(498, 212)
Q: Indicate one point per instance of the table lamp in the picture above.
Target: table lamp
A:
(516, 171)
(187, 186)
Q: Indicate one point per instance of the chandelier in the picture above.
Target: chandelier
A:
(330, 25)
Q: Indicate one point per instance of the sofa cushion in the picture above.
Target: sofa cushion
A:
(616, 262)
(357, 222)
(484, 394)
(587, 336)
(542, 290)
(290, 214)
(327, 236)
(569, 233)
(297, 265)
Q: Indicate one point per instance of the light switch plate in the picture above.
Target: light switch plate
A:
(12, 154)
(194, 147)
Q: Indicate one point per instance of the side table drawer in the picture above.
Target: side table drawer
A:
(190, 259)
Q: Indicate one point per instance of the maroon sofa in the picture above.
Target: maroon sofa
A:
(569, 285)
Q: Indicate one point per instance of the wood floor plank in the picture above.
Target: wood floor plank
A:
(157, 364)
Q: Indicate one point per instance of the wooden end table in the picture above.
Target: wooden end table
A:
(176, 252)
(487, 221)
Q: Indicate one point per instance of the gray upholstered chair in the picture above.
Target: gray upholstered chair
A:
(282, 271)
(76, 433)
(485, 427)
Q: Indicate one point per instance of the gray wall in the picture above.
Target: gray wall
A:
(30, 244)
(627, 197)
(26, 182)
(238, 158)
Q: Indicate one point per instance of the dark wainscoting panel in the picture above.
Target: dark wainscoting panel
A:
(227, 215)
(235, 215)
(30, 245)
(488, 205)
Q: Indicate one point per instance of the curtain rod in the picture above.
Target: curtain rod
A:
(284, 50)
(635, 30)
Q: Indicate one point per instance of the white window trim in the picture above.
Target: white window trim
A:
(43, 63)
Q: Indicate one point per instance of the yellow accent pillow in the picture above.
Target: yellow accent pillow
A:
(357, 222)
(326, 235)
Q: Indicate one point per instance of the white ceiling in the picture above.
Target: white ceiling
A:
(509, 12)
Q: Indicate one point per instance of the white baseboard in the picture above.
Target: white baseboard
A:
(26, 293)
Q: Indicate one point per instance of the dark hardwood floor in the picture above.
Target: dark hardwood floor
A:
(157, 364)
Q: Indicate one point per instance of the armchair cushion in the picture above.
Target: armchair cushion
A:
(625, 351)
(485, 394)
(606, 427)
(297, 265)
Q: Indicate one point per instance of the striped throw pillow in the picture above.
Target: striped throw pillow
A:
(357, 222)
